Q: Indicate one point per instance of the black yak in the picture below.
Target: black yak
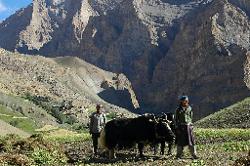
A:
(167, 117)
(125, 133)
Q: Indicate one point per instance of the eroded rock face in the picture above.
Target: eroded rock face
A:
(242, 4)
(164, 47)
(120, 82)
(39, 31)
(207, 60)
(247, 70)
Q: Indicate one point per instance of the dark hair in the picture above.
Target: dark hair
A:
(98, 106)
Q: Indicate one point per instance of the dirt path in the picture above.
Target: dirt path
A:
(14, 117)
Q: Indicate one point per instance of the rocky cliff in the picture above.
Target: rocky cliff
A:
(164, 47)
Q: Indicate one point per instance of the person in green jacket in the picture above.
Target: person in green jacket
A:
(184, 128)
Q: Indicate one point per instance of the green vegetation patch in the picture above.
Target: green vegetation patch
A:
(35, 150)
(42, 156)
(240, 146)
(17, 120)
(69, 138)
(20, 107)
(4, 110)
(55, 109)
(235, 116)
(66, 136)
(59, 146)
(209, 136)
(111, 115)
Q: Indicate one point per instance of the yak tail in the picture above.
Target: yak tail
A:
(102, 140)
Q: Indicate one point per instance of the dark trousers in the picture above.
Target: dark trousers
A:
(185, 137)
(192, 150)
(95, 137)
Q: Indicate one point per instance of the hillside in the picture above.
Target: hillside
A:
(235, 116)
(164, 47)
(24, 114)
(57, 91)
(6, 129)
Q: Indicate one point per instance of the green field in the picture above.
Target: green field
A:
(22, 113)
(58, 147)
(17, 120)
(217, 142)
(235, 116)
(208, 136)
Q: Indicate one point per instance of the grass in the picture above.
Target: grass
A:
(22, 123)
(8, 111)
(18, 107)
(208, 136)
(111, 116)
(235, 116)
(203, 136)
(64, 136)
(70, 138)
(227, 146)
(17, 120)
(234, 146)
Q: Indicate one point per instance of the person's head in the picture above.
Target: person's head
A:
(184, 101)
(98, 108)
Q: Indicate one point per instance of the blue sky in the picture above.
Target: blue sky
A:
(9, 7)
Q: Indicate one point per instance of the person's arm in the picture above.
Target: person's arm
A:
(176, 118)
(91, 124)
(104, 119)
(191, 115)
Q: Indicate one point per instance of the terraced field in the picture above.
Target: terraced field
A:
(62, 147)
(8, 129)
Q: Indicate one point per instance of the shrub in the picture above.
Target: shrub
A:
(71, 119)
(62, 118)
(15, 159)
(14, 123)
(80, 127)
(58, 115)
(7, 142)
(111, 115)
(45, 157)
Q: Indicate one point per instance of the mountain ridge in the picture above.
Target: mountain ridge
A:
(164, 47)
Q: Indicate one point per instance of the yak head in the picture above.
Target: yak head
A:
(162, 127)
(163, 130)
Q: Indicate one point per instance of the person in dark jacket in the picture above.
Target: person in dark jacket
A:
(184, 128)
(97, 122)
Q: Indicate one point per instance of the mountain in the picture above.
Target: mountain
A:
(164, 47)
(235, 116)
(59, 90)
